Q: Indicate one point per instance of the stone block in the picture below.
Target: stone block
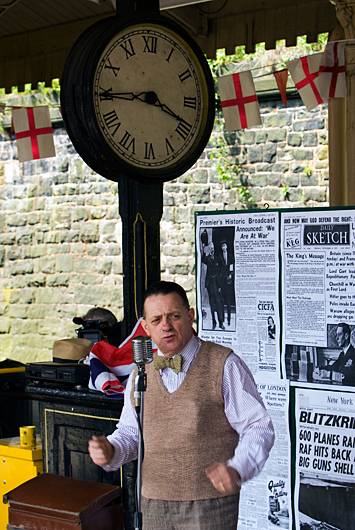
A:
(46, 264)
(21, 267)
(246, 137)
(256, 154)
(310, 139)
(260, 137)
(276, 135)
(58, 280)
(22, 327)
(64, 263)
(278, 119)
(269, 152)
(37, 280)
(303, 154)
(89, 233)
(308, 125)
(294, 139)
(198, 194)
(5, 325)
(291, 179)
(323, 153)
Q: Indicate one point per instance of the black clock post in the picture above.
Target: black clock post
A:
(137, 99)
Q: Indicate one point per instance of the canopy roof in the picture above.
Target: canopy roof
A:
(36, 35)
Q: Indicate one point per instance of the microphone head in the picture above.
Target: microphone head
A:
(138, 350)
(142, 350)
(148, 350)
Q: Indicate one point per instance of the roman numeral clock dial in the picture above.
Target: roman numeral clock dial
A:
(149, 105)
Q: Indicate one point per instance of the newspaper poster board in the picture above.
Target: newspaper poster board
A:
(265, 502)
(298, 267)
(325, 459)
(238, 284)
(318, 297)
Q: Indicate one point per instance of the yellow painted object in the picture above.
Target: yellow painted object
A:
(17, 465)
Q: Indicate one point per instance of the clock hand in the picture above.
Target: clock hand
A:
(108, 94)
(149, 97)
(152, 99)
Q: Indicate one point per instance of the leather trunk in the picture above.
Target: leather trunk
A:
(52, 502)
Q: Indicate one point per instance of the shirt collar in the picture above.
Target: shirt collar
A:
(188, 353)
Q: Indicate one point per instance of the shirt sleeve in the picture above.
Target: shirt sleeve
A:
(247, 415)
(125, 438)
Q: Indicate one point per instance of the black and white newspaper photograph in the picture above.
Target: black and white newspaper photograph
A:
(318, 300)
(325, 460)
(265, 501)
(237, 264)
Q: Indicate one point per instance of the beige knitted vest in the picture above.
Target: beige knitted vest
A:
(187, 430)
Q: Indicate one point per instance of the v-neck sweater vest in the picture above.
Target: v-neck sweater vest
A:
(187, 430)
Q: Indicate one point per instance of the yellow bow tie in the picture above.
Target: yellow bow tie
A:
(175, 363)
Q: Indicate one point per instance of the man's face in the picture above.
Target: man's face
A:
(341, 337)
(168, 322)
(224, 247)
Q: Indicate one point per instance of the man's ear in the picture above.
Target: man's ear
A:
(192, 314)
(145, 327)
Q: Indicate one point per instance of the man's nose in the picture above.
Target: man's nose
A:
(166, 323)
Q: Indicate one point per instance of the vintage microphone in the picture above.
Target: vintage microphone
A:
(142, 354)
(142, 350)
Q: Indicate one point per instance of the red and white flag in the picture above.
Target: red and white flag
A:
(305, 75)
(332, 71)
(110, 366)
(239, 101)
(33, 132)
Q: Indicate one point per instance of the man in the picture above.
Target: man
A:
(226, 279)
(206, 430)
(212, 284)
(345, 363)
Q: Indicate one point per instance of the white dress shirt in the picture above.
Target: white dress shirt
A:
(243, 407)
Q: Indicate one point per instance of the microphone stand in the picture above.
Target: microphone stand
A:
(140, 385)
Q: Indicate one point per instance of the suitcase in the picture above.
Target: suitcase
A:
(53, 502)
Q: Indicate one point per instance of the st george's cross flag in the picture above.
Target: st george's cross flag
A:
(33, 132)
(332, 71)
(239, 101)
(305, 75)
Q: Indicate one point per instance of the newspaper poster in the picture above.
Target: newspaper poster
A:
(265, 501)
(325, 460)
(238, 284)
(318, 301)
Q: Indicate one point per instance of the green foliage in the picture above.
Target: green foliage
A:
(308, 171)
(246, 197)
(285, 191)
(226, 166)
(229, 171)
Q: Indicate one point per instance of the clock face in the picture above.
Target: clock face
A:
(152, 99)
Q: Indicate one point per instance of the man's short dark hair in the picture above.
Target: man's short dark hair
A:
(163, 287)
(345, 327)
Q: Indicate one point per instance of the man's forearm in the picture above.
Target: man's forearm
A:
(125, 443)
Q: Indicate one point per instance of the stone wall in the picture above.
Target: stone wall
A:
(60, 231)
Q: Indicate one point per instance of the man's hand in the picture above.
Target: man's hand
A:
(224, 478)
(100, 450)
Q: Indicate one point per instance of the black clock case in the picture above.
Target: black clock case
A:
(77, 104)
